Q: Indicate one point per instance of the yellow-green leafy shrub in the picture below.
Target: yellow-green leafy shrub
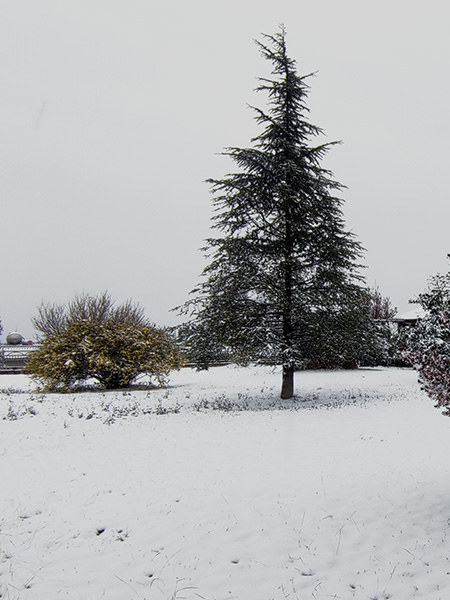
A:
(112, 345)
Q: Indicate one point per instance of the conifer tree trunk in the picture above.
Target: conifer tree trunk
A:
(287, 385)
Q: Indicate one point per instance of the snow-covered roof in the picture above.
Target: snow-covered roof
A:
(411, 315)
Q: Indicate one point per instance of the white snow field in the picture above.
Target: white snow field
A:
(213, 489)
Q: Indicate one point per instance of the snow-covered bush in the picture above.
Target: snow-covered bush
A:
(427, 345)
(91, 338)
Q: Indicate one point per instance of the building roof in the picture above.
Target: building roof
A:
(411, 315)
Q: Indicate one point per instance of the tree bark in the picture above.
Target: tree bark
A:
(287, 385)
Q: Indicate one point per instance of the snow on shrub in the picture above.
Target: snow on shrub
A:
(427, 345)
(92, 338)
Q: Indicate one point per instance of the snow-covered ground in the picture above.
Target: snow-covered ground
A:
(213, 489)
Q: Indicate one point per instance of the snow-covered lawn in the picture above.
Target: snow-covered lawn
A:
(174, 494)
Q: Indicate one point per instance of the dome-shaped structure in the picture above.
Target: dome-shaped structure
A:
(14, 338)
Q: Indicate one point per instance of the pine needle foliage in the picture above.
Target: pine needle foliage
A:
(281, 254)
(92, 338)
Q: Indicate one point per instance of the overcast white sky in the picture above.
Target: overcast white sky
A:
(113, 112)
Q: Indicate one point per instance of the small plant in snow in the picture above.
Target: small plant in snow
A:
(223, 403)
(121, 535)
(17, 412)
(12, 414)
(165, 410)
(10, 391)
(202, 404)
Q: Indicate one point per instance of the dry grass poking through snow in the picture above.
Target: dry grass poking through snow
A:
(211, 489)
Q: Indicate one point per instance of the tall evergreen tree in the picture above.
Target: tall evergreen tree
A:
(282, 254)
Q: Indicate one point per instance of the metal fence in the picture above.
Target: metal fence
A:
(12, 357)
